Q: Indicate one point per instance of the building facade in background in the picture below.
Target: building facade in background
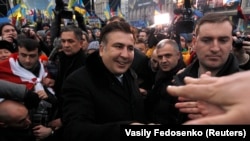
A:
(140, 13)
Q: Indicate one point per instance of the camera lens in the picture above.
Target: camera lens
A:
(238, 43)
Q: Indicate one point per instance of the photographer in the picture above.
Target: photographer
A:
(241, 50)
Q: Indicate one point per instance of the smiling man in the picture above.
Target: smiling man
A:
(104, 94)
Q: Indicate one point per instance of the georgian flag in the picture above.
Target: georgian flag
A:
(11, 70)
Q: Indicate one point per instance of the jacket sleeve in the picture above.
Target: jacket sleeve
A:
(10, 90)
(18, 92)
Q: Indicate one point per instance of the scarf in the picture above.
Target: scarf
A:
(11, 70)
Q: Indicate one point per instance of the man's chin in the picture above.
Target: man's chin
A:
(119, 72)
(28, 67)
(165, 69)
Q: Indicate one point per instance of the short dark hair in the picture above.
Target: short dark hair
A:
(29, 44)
(76, 30)
(144, 30)
(140, 41)
(3, 25)
(117, 18)
(212, 18)
(115, 26)
(45, 24)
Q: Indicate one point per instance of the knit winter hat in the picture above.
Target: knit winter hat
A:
(94, 45)
(7, 45)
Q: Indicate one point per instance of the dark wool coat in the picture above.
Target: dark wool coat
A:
(96, 103)
(160, 106)
(140, 66)
(67, 65)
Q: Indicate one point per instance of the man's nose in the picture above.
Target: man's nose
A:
(27, 59)
(216, 45)
(125, 52)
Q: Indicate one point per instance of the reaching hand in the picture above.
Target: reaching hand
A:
(229, 93)
(42, 94)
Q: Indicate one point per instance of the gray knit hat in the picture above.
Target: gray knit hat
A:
(94, 45)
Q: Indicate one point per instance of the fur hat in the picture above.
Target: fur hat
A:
(7, 45)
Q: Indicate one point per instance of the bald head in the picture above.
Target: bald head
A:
(13, 114)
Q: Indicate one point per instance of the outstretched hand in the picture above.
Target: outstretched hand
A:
(224, 92)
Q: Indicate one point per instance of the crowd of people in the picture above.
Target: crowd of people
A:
(86, 83)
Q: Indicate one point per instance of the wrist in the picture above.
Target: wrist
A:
(52, 131)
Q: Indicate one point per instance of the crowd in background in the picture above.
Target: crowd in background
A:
(74, 82)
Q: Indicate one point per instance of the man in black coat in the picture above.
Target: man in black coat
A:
(104, 94)
(213, 47)
(160, 106)
(71, 58)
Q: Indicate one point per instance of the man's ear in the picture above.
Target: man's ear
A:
(101, 47)
(194, 42)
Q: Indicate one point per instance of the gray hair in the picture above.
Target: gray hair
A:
(171, 42)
